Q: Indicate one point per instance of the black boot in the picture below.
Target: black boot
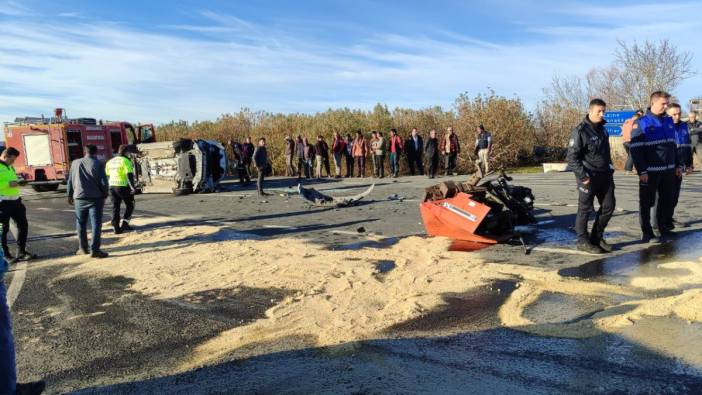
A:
(599, 241)
(586, 246)
(125, 227)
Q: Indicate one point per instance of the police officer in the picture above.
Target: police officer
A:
(684, 151)
(11, 207)
(483, 147)
(657, 163)
(591, 161)
(120, 172)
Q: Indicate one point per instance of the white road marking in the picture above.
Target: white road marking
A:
(16, 285)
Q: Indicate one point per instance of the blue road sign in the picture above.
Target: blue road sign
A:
(615, 120)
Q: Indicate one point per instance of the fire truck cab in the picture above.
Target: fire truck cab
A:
(48, 146)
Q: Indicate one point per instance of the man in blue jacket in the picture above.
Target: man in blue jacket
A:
(684, 150)
(8, 375)
(657, 163)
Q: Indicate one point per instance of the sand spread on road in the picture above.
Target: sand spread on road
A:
(338, 296)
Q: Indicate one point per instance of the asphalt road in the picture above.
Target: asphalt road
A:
(93, 335)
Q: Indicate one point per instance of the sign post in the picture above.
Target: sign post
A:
(615, 120)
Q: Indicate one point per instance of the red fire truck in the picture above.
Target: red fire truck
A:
(48, 146)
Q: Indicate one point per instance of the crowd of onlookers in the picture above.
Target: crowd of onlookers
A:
(351, 155)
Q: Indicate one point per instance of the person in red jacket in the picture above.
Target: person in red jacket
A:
(395, 148)
(338, 151)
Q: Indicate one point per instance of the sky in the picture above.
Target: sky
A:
(159, 60)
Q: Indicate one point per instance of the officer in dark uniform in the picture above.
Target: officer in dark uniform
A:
(657, 162)
(591, 161)
(684, 148)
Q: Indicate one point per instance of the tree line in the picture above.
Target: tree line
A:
(637, 70)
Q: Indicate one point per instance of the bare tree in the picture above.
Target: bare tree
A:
(649, 67)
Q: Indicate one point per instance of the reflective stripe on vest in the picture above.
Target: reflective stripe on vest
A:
(117, 170)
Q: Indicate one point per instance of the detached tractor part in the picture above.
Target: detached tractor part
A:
(180, 167)
(484, 213)
(319, 199)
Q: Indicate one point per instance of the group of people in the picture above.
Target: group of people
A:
(660, 148)
(304, 158)
(90, 182)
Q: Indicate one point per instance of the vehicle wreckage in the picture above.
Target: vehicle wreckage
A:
(483, 209)
(319, 199)
(179, 167)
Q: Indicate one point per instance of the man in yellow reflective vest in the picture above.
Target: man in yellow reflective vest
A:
(120, 172)
(11, 207)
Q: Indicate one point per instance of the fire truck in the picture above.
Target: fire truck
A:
(47, 146)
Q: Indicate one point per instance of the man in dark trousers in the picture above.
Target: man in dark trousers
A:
(120, 172)
(591, 161)
(414, 151)
(11, 207)
(684, 151)
(87, 190)
(451, 148)
(349, 155)
(289, 154)
(657, 164)
(431, 153)
(248, 153)
(260, 159)
(694, 127)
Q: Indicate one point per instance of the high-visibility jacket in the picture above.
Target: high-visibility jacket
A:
(118, 170)
(7, 175)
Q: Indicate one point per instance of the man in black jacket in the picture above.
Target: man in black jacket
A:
(694, 128)
(591, 161)
(260, 159)
(414, 149)
(431, 153)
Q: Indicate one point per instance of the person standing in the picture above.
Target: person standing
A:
(383, 153)
(591, 161)
(414, 150)
(12, 208)
(483, 148)
(450, 148)
(248, 154)
(120, 173)
(309, 157)
(260, 159)
(684, 152)
(359, 152)
(694, 128)
(377, 144)
(626, 139)
(431, 153)
(349, 155)
(395, 148)
(300, 153)
(289, 154)
(240, 167)
(8, 367)
(339, 151)
(321, 150)
(87, 190)
(657, 164)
